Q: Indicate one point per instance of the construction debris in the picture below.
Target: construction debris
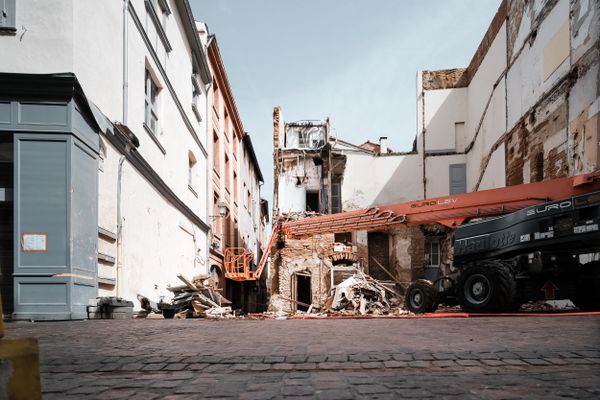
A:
(196, 298)
(361, 294)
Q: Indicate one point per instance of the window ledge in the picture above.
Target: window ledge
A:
(8, 31)
(192, 190)
(154, 138)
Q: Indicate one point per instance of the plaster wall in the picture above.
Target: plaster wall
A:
(493, 126)
(483, 81)
(41, 45)
(376, 180)
(443, 109)
(494, 175)
(526, 81)
(177, 245)
(438, 174)
(292, 194)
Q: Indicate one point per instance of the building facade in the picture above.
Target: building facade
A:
(524, 110)
(105, 137)
(234, 189)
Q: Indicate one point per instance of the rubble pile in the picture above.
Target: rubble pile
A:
(361, 294)
(194, 299)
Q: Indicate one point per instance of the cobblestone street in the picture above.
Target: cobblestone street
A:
(491, 358)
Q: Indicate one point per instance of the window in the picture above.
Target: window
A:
(249, 200)
(8, 15)
(457, 178)
(216, 97)
(226, 124)
(191, 169)
(216, 154)
(151, 103)
(216, 221)
(235, 188)
(432, 253)
(245, 197)
(235, 145)
(196, 95)
(336, 197)
(158, 11)
(312, 201)
(227, 179)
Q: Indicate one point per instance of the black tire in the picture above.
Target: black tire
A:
(587, 297)
(421, 297)
(488, 286)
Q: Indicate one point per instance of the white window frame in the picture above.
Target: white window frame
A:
(430, 247)
(151, 98)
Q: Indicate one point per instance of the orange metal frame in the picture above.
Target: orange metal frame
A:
(238, 263)
(451, 211)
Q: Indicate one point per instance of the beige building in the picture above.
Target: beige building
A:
(235, 180)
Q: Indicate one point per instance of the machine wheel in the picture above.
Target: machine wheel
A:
(421, 297)
(488, 286)
(588, 287)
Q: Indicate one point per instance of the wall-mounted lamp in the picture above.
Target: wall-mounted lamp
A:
(222, 210)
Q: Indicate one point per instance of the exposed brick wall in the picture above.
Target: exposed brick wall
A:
(306, 255)
(445, 79)
(536, 149)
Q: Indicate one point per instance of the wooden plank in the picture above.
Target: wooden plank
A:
(387, 272)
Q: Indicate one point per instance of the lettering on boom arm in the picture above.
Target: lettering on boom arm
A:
(440, 202)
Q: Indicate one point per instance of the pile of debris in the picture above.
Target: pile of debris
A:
(192, 300)
(361, 294)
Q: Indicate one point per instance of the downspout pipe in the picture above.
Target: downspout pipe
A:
(208, 180)
(119, 260)
(125, 60)
(119, 225)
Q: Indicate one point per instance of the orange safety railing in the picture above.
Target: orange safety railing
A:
(238, 264)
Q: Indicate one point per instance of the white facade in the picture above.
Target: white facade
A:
(494, 117)
(152, 219)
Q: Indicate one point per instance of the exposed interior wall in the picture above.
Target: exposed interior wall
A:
(388, 180)
(307, 256)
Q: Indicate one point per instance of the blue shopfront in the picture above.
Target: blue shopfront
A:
(49, 147)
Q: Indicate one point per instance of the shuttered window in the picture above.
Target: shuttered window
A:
(7, 15)
(336, 197)
(458, 178)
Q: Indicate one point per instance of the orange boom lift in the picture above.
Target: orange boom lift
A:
(451, 211)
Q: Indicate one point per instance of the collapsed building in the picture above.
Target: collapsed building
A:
(524, 110)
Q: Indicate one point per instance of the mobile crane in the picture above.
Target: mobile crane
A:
(526, 242)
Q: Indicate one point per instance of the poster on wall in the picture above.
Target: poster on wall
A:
(32, 242)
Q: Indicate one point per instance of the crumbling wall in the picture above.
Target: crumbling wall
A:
(536, 149)
(302, 255)
(408, 253)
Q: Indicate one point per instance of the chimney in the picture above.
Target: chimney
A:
(383, 149)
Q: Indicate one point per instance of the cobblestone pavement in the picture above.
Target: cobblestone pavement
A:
(489, 358)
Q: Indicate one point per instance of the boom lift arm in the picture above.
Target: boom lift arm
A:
(451, 211)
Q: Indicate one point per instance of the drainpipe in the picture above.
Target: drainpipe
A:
(208, 182)
(119, 226)
(122, 158)
(125, 60)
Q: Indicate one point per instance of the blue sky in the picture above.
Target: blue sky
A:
(354, 61)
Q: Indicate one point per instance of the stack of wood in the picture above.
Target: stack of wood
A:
(196, 298)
